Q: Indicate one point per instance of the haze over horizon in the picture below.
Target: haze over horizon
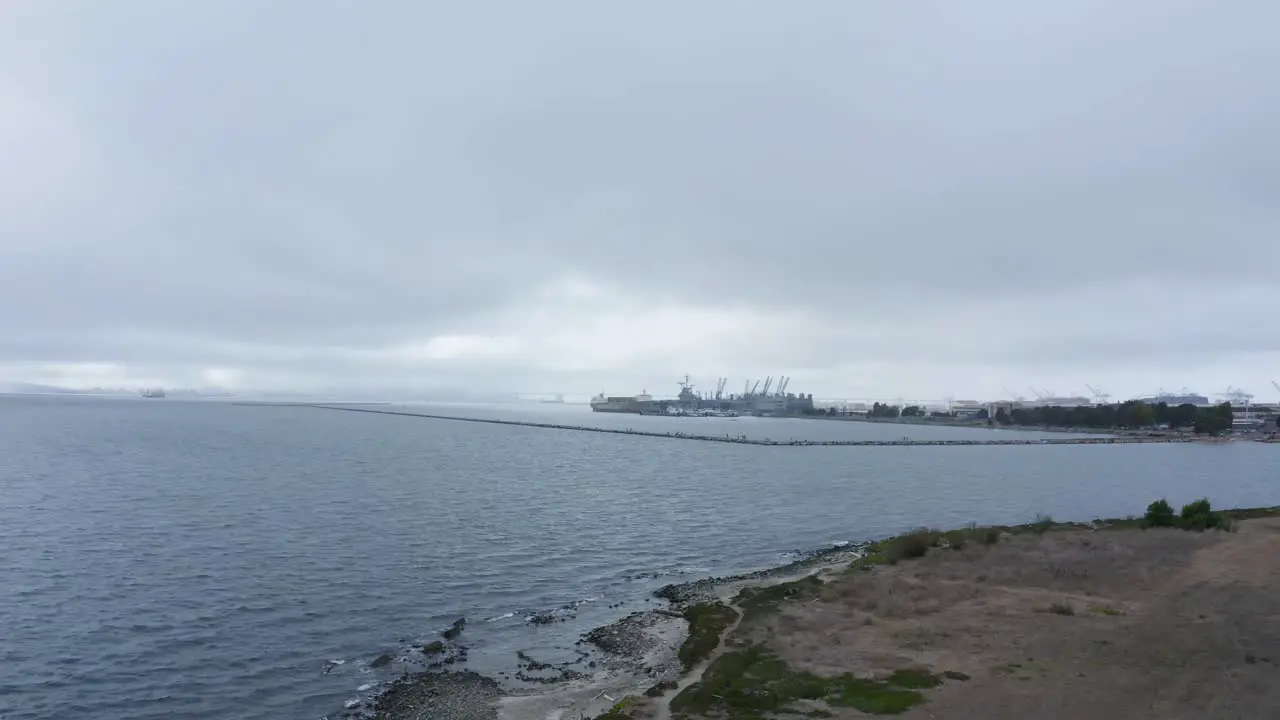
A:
(923, 200)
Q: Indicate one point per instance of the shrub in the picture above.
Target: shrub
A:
(1159, 514)
(912, 545)
(1042, 524)
(1199, 515)
(958, 539)
(1062, 609)
(1224, 521)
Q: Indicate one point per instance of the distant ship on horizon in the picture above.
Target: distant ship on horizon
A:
(153, 392)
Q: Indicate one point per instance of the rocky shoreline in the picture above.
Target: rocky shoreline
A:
(626, 657)
(637, 655)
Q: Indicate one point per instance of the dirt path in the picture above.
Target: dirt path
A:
(662, 710)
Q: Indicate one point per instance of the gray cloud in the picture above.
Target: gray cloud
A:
(312, 192)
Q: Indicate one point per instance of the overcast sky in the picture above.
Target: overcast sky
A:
(924, 199)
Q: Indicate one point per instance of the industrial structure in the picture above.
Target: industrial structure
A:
(771, 399)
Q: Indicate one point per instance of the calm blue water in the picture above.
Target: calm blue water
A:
(163, 559)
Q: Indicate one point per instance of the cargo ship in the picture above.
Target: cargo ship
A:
(636, 404)
(153, 392)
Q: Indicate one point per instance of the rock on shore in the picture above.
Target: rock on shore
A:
(439, 696)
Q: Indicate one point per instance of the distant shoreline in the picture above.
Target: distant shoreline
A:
(743, 440)
(982, 425)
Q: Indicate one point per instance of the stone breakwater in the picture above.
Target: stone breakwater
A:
(742, 440)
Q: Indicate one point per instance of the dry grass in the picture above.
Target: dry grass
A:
(1062, 624)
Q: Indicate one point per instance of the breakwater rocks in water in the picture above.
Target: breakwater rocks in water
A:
(743, 440)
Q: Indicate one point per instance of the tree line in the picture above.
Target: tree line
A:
(1132, 414)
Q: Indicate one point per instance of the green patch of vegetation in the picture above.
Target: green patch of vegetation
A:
(1198, 516)
(620, 711)
(752, 682)
(914, 544)
(958, 539)
(1159, 514)
(875, 554)
(914, 679)
(707, 621)
(758, 602)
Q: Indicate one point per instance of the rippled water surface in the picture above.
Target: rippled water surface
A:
(166, 559)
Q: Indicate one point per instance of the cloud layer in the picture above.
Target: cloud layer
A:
(881, 199)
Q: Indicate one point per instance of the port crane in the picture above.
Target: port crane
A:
(1236, 395)
(1099, 396)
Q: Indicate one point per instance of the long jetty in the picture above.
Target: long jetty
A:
(742, 440)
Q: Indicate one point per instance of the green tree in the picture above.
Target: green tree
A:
(1143, 415)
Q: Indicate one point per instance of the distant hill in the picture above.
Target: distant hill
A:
(34, 389)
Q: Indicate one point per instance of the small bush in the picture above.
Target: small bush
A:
(912, 545)
(1041, 524)
(958, 539)
(1223, 521)
(1199, 516)
(1062, 609)
(1159, 514)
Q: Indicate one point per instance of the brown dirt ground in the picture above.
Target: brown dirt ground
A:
(1168, 624)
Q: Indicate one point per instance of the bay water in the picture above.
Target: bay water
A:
(171, 559)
